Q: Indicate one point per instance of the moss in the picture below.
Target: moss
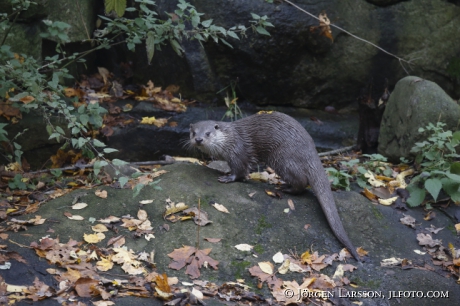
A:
(371, 284)
(378, 215)
(240, 267)
(258, 249)
(261, 225)
(451, 228)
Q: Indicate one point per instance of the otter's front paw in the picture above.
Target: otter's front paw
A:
(227, 178)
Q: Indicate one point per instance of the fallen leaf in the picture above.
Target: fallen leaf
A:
(220, 208)
(79, 206)
(213, 240)
(391, 262)
(291, 204)
(408, 220)
(85, 286)
(111, 219)
(284, 267)
(99, 228)
(73, 217)
(105, 264)
(94, 238)
(101, 193)
(388, 201)
(427, 240)
(278, 257)
(266, 267)
(244, 247)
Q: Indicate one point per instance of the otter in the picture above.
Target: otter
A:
(280, 142)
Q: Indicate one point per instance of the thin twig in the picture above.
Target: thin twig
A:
(155, 162)
(335, 151)
(9, 28)
(352, 35)
(82, 20)
(21, 245)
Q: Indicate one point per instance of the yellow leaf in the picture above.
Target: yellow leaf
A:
(284, 267)
(148, 120)
(266, 267)
(104, 264)
(99, 228)
(93, 238)
(388, 201)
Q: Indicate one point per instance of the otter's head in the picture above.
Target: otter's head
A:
(207, 136)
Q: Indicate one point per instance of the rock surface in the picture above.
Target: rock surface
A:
(259, 221)
(414, 103)
(294, 66)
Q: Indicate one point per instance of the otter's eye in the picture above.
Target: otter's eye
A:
(193, 134)
(208, 133)
(216, 126)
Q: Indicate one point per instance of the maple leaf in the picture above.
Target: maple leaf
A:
(162, 283)
(85, 286)
(408, 220)
(104, 264)
(425, 239)
(193, 258)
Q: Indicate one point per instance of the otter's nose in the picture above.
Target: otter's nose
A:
(198, 140)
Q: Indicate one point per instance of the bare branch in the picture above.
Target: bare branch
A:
(352, 35)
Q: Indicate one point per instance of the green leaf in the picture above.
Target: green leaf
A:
(452, 189)
(98, 143)
(84, 118)
(119, 162)
(433, 185)
(60, 130)
(206, 23)
(232, 34)
(261, 30)
(150, 46)
(119, 6)
(417, 195)
(137, 189)
(454, 177)
(176, 47)
(455, 168)
(123, 180)
(98, 166)
(110, 150)
(255, 16)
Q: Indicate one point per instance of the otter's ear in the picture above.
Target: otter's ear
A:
(191, 126)
(216, 126)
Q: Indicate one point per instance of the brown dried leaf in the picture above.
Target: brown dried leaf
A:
(101, 193)
(408, 220)
(85, 286)
(426, 239)
(213, 240)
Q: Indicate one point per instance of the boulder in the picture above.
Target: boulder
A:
(414, 103)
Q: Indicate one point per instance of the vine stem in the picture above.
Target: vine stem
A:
(354, 36)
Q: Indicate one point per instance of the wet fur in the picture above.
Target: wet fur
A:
(283, 144)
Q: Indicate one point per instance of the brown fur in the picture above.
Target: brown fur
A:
(283, 144)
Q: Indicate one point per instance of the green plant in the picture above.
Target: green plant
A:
(233, 110)
(28, 84)
(377, 163)
(436, 160)
(340, 178)
(18, 182)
